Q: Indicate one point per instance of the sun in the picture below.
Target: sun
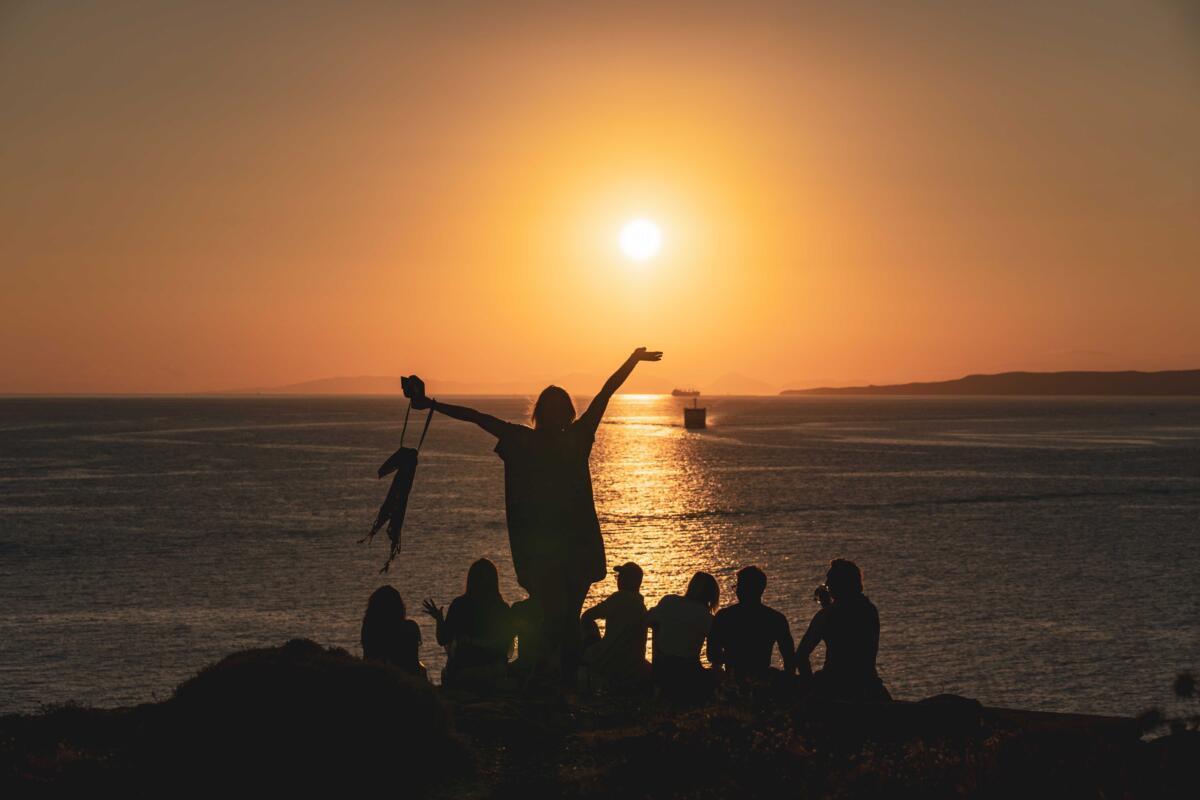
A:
(640, 239)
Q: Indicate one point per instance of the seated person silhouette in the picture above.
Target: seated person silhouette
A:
(619, 659)
(680, 626)
(848, 624)
(388, 634)
(477, 632)
(744, 633)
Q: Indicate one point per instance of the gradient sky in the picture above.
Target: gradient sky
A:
(203, 196)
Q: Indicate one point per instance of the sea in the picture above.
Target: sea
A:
(1039, 553)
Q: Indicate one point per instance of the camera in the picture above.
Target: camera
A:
(413, 387)
(823, 596)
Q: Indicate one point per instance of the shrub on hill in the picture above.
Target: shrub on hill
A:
(301, 716)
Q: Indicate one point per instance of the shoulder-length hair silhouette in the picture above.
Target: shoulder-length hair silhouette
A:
(483, 582)
(553, 410)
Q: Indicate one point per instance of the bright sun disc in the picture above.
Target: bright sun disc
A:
(640, 239)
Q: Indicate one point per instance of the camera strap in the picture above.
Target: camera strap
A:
(424, 430)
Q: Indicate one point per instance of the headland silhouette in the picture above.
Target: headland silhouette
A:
(1178, 383)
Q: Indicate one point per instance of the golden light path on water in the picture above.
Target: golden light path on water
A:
(656, 499)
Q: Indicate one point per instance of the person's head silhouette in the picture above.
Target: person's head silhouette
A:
(629, 576)
(554, 410)
(383, 626)
(703, 588)
(386, 602)
(483, 582)
(751, 583)
(844, 579)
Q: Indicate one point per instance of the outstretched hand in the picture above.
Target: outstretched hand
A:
(642, 354)
(430, 608)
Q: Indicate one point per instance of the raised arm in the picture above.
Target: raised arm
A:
(493, 425)
(595, 410)
(439, 616)
(414, 389)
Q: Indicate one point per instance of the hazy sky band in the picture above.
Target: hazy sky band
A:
(199, 196)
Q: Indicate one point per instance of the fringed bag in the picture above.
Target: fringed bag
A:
(404, 463)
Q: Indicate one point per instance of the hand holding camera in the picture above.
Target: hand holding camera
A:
(414, 390)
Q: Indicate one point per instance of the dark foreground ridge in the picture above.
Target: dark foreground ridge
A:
(303, 718)
(1176, 383)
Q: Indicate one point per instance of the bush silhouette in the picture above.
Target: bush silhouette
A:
(302, 716)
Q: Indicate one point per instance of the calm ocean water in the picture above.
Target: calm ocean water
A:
(1040, 553)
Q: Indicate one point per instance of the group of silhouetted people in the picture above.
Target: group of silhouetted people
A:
(480, 633)
(558, 553)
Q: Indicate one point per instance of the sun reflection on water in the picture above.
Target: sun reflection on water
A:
(655, 497)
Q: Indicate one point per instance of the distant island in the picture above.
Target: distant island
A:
(1129, 383)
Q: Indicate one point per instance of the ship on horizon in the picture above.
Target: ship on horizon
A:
(685, 392)
(696, 417)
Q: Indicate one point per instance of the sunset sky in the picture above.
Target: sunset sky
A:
(206, 196)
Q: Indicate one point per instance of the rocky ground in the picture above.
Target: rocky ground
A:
(301, 718)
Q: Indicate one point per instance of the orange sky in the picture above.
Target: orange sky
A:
(206, 196)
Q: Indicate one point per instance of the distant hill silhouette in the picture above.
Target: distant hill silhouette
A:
(580, 384)
(1161, 384)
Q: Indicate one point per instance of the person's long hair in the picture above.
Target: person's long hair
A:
(381, 623)
(485, 614)
(483, 582)
(553, 410)
(703, 589)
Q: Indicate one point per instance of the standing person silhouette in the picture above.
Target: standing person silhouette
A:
(557, 548)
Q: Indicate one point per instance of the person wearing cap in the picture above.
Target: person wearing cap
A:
(619, 659)
(744, 634)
